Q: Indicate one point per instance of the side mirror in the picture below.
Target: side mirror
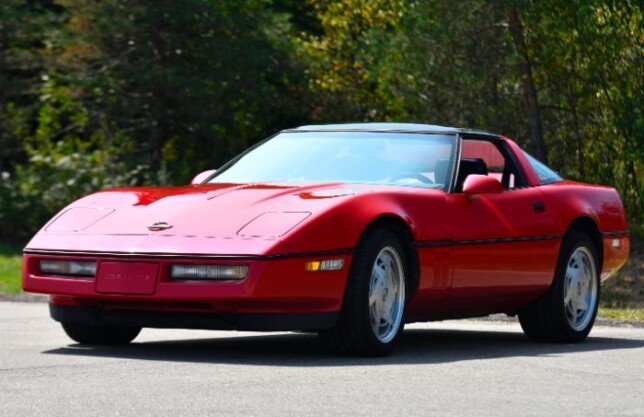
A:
(481, 184)
(201, 177)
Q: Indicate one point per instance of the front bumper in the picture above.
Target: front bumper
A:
(101, 316)
(278, 285)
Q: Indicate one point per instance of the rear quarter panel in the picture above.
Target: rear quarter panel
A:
(569, 200)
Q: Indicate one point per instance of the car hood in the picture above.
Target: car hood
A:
(225, 218)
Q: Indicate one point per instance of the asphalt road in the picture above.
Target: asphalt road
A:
(461, 368)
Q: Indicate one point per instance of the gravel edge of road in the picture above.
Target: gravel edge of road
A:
(24, 298)
(599, 321)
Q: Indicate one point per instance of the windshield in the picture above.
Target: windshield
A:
(420, 160)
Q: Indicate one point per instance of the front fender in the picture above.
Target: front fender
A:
(340, 226)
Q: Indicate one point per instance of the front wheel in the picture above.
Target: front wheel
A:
(373, 309)
(566, 313)
(89, 334)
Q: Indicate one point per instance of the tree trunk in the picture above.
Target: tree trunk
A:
(155, 147)
(529, 89)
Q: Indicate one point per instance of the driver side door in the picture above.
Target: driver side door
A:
(503, 248)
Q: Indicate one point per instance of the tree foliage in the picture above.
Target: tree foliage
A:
(591, 74)
(127, 92)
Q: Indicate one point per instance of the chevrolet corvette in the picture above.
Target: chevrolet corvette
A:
(346, 230)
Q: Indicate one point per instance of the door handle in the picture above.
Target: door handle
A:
(538, 207)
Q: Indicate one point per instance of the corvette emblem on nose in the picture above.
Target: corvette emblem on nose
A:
(155, 227)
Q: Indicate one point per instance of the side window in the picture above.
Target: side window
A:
(546, 175)
(489, 159)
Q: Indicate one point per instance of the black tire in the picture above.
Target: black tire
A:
(88, 334)
(549, 319)
(354, 334)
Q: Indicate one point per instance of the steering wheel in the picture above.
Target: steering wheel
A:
(411, 176)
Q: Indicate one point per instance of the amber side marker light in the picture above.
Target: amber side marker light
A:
(208, 272)
(328, 265)
(85, 269)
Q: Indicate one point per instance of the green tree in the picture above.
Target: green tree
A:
(590, 71)
(139, 92)
(183, 79)
(24, 26)
(344, 58)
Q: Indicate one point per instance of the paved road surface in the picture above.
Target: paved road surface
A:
(461, 368)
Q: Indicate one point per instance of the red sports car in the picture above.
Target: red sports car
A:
(348, 230)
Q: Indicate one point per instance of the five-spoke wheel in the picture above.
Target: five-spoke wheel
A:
(373, 309)
(386, 294)
(566, 313)
(580, 292)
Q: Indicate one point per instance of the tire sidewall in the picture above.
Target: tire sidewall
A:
(359, 283)
(572, 241)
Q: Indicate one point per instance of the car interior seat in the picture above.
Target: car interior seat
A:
(469, 166)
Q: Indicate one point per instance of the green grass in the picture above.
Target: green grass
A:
(10, 265)
(621, 313)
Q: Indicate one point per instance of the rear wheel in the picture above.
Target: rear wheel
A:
(566, 313)
(89, 334)
(373, 309)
